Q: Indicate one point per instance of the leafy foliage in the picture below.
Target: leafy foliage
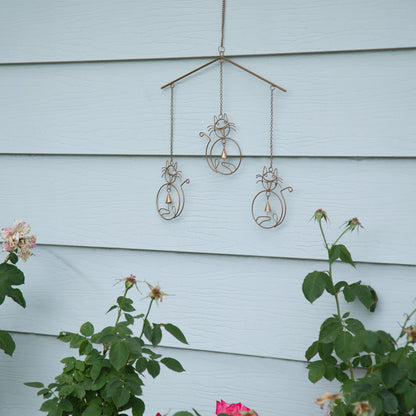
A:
(388, 384)
(10, 276)
(106, 379)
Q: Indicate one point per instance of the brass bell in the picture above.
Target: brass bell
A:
(224, 154)
(268, 207)
(168, 199)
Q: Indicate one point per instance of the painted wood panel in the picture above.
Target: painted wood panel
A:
(110, 202)
(101, 29)
(264, 384)
(336, 105)
(217, 301)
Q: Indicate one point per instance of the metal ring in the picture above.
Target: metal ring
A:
(221, 50)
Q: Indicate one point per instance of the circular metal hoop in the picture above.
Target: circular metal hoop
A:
(271, 219)
(215, 162)
(174, 208)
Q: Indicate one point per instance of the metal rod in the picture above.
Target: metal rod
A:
(252, 73)
(192, 72)
(231, 62)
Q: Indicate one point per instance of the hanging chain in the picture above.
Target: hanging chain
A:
(222, 25)
(171, 121)
(271, 126)
(221, 95)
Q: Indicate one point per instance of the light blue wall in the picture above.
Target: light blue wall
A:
(84, 133)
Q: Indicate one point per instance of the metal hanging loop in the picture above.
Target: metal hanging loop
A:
(170, 198)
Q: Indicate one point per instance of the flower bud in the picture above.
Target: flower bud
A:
(353, 223)
(320, 214)
(130, 281)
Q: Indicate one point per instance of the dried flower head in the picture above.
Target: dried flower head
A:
(319, 215)
(353, 223)
(362, 409)
(130, 281)
(16, 238)
(321, 400)
(411, 334)
(155, 292)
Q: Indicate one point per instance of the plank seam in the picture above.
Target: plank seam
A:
(93, 61)
(216, 254)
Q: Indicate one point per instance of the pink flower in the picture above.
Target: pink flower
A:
(158, 414)
(16, 238)
(233, 409)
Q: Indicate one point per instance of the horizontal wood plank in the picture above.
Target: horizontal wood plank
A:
(336, 105)
(263, 384)
(102, 29)
(241, 305)
(110, 202)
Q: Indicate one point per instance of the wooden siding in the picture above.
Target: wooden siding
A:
(82, 145)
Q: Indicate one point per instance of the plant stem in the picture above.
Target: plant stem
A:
(340, 236)
(7, 258)
(145, 318)
(120, 306)
(333, 286)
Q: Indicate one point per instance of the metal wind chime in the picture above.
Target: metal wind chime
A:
(223, 156)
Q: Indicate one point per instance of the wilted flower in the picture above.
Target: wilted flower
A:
(130, 281)
(234, 409)
(155, 292)
(16, 238)
(362, 409)
(353, 223)
(320, 214)
(411, 334)
(321, 400)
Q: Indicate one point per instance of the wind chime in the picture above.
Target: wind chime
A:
(170, 199)
(223, 155)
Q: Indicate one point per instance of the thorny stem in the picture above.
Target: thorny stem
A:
(340, 236)
(401, 333)
(145, 318)
(333, 286)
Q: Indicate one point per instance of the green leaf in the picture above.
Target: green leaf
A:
(341, 376)
(156, 335)
(66, 405)
(141, 364)
(390, 403)
(153, 368)
(314, 285)
(366, 361)
(112, 308)
(119, 354)
(354, 325)
(6, 343)
(183, 413)
(364, 295)
(87, 329)
(344, 345)
(137, 406)
(340, 285)
(390, 374)
(17, 296)
(14, 258)
(312, 351)
(125, 304)
(121, 398)
(34, 384)
(316, 370)
(341, 252)
(349, 293)
(49, 405)
(410, 399)
(93, 410)
(330, 372)
(10, 276)
(362, 391)
(176, 332)
(172, 364)
(330, 329)
(129, 318)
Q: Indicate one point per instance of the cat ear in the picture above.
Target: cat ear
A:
(225, 117)
(215, 119)
(264, 170)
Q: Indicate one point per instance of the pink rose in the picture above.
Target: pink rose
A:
(233, 409)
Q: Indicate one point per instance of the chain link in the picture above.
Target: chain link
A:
(171, 121)
(222, 24)
(221, 88)
(271, 126)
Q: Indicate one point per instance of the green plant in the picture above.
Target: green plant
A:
(377, 372)
(107, 378)
(17, 243)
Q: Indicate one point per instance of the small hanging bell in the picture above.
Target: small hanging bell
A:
(268, 207)
(224, 154)
(168, 199)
